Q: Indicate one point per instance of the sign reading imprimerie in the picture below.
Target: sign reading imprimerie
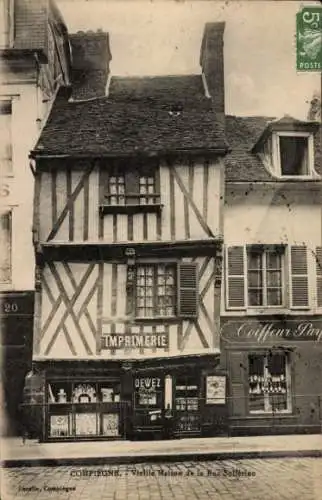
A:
(135, 341)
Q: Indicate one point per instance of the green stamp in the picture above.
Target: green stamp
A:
(309, 39)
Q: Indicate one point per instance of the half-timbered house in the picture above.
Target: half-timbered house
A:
(128, 239)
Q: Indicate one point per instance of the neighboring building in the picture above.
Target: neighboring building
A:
(128, 218)
(34, 61)
(272, 298)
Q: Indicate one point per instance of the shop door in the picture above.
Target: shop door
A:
(148, 402)
(187, 406)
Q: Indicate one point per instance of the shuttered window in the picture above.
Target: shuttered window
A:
(187, 290)
(132, 184)
(235, 265)
(319, 276)
(5, 247)
(299, 277)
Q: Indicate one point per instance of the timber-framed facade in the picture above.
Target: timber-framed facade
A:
(128, 240)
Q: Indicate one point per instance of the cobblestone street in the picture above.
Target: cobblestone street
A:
(269, 479)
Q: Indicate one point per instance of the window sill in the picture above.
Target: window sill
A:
(271, 413)
(269, 311)
(157, 319)
(131, 209)
(163, 319)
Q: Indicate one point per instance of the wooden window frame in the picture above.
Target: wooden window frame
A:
(310, 155)
(155, 266)
(132, 196)
(8, 213)
(6, 107)
(264, 250)
(288, 376)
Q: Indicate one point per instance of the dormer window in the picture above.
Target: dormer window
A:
(294, 155)
(286, 148)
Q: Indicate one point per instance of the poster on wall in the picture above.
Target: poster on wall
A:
(215, 390)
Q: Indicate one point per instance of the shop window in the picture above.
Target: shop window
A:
(5, 245)
(6, 138)
(148, 391)
(269, 384)
(187, 404)
(83, 408)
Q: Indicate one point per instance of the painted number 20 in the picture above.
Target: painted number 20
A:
(10, 307)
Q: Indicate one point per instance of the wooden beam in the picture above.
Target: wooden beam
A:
(70, 202)
(202, 222)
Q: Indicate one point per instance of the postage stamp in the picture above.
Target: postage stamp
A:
(309, 39)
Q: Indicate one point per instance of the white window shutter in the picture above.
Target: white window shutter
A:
(299, 277)
(318, 255)
(188, 290)
(235, 277)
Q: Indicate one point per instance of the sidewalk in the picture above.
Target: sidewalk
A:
(16, 454)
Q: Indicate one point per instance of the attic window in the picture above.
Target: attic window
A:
(295, 154)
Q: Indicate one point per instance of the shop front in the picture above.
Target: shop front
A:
(192, 388)
(126, 400)
(78, 401)
(274, 368)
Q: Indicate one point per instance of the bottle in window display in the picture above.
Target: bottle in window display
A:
(62, 396)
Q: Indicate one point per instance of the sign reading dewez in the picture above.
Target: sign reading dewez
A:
(135, 341)
(266, 331)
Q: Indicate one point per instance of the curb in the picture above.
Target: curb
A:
(168, 458)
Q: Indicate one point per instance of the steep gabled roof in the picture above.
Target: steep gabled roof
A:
(148, 115)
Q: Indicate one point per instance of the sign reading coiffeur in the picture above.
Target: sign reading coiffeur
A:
(272, 331)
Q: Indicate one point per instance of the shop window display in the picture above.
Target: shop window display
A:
(81, 408)
(269, 383)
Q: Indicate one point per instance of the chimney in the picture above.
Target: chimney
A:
(212, 63)
(91, 58)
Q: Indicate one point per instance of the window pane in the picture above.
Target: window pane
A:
(277, 386)
(274, 297)
(255, 297)
(255, 279)
(274, 279)
(256, 382)
(273, 260)
(254, 260)
(294, 155)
